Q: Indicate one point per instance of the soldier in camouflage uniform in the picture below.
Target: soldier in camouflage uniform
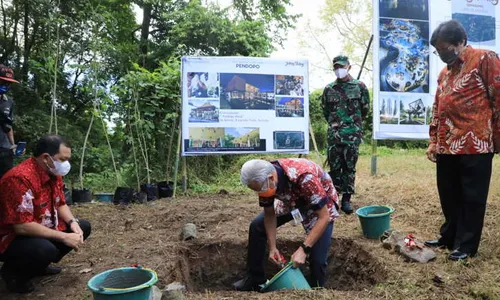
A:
(345, 104)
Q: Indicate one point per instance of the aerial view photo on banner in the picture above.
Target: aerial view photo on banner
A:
(405, 67)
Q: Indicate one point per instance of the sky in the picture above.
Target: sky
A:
(319, 77)
(292, 49)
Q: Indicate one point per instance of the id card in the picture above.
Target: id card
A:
(297, 217)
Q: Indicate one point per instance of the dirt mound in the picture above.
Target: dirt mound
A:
(217, 266)
(350, 267)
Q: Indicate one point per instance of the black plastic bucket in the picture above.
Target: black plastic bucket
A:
(140, 197)
(165, 189)
(81, 196)
(151, 189)
(123, 195)
(67, 196)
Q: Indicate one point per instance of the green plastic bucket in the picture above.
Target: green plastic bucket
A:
(374, 220)
(123, 284)
(287, 279)
(104, 197)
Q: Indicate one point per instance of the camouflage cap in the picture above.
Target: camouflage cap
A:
(341, 60)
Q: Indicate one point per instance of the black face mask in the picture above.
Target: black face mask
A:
(448, 57)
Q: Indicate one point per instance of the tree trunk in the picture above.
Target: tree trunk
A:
(12, 46)
(146, 23)
(4, 19)
(26, 37)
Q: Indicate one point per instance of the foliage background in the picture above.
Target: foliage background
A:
(89, 62)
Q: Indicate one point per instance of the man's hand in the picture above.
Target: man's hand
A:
(431, 153)
(75, 227)
(14, 149)
(274, 256)
(299, 257)
(72, 240)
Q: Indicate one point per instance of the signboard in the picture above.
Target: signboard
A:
(236, 105)
(405, 67)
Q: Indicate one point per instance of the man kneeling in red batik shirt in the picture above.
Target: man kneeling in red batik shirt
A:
(37, 228)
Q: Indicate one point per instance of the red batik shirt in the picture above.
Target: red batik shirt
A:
(308, 189)
(29, 194)
(466, 111)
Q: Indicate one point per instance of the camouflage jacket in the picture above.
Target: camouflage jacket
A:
(345, 105)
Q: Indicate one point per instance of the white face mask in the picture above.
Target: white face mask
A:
(60, 168)
(341, 73)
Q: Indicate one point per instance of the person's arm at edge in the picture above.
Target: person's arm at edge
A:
(37, 230)
(490, 71)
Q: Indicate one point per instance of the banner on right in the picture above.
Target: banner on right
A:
(405, 66)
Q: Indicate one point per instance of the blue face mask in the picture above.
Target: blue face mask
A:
(4, 88)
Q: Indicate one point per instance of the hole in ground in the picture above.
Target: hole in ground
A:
(217, 266)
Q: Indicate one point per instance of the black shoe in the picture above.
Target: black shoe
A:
(434, 244)
(346, 207)
(15, 285)
(51, 270)
(247, 284)
(457, 255)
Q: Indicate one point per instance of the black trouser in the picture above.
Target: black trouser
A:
(27, 257)
(257, 240)
(6, 161)
(463, 182)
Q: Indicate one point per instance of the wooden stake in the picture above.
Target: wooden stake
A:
(184, 174)
(170, 143)
(176, 166)
(374, 158)
(311, 132)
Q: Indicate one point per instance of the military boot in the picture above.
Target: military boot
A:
(346, 204)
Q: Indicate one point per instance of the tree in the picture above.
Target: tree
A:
(177, 28)
(272, 13)
(89, 60)
(350, 22)
(317, 119)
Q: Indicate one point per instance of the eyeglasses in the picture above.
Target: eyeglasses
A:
(264, 187)
(436, 52)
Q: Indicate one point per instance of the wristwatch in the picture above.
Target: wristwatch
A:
(307, 249)
(73, 220)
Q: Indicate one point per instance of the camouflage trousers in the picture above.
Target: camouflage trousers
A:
(342, 159)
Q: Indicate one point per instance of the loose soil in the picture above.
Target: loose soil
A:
(149, 234)
(216, 267)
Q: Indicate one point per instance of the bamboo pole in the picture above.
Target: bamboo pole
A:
(83, 150)
(135, 158)
(111, 152)
(143, 149)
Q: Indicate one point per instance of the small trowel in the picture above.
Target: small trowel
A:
(281, 259)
